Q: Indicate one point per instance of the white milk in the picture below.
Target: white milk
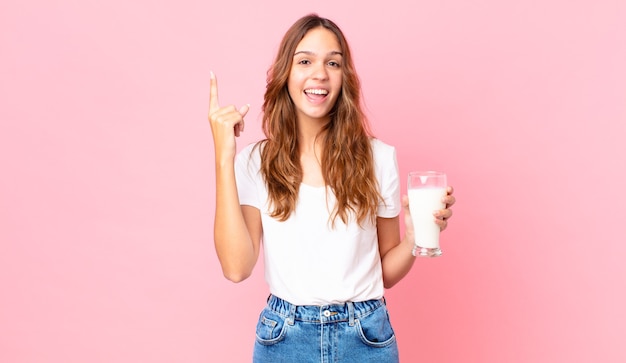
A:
(422, 203)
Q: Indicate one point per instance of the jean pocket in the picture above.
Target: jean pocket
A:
(375, 329)
(270, 328)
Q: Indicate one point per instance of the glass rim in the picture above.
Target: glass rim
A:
(427, 172)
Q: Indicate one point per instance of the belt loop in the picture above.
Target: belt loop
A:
(350, 313)
(292, 314)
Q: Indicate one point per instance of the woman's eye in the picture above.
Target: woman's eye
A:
(304, 61)
(334, 64)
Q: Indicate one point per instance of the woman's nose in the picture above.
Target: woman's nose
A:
(320, 72)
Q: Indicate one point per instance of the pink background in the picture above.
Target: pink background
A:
(107, 197)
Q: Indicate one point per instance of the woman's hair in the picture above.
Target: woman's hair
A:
(347, 161)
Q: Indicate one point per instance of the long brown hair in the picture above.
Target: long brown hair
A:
(347, 161)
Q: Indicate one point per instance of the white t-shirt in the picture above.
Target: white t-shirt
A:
(307, 260)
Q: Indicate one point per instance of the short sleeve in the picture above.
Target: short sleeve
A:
(387, 173)
(247, 176)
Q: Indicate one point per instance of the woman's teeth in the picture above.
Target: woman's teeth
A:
(316, 91)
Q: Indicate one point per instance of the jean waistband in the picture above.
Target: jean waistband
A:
(348, 311)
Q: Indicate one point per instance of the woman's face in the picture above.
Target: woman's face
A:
(316, 75)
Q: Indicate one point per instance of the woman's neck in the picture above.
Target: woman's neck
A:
(310, 134)
(311, 147)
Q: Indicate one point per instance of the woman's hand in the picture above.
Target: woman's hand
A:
(443, 215)
(226, 124)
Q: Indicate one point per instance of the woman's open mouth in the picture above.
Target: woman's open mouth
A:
(316, 95)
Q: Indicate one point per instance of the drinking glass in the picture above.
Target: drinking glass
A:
(426, 190)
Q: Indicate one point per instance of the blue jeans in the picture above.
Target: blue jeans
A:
(351, 332)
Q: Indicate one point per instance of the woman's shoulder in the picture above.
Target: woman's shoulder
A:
(380, 148)
(385, 166)
(249, 157)
(251, 151)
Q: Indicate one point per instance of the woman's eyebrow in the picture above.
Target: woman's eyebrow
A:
(308, 52)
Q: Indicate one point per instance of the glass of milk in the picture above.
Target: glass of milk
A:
(426, 190)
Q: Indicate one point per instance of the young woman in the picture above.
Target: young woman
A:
(324, 197)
